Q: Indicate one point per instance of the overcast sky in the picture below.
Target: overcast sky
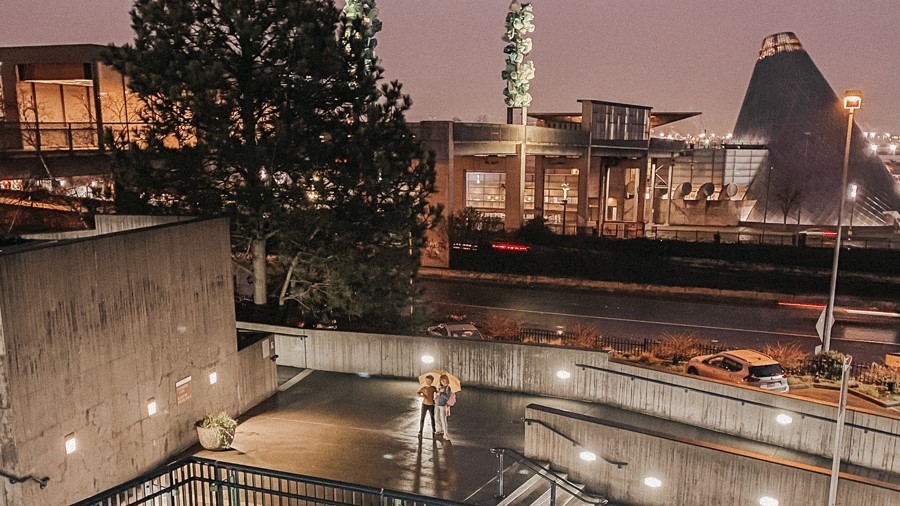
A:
(673, 55)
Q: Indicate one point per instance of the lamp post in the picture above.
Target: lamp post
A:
(565, 202)
(852, 191)
(839, 431)
(852, 102)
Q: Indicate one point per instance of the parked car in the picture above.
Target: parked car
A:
(455, 330)
(749, 367)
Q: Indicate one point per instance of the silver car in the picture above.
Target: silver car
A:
(455, 330)
(748, 367)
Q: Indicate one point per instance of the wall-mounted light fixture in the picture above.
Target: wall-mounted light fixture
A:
(213, 378)
(587, 456)
(784, 419)
(652, 482)
(71, 444)
(151, 406)
(562, 374)
(427, 359)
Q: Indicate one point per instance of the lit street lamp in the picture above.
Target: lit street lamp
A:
(852, 191)
(839, 431)
(565, 202)
(852, 102)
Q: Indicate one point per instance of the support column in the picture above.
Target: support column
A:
(515, 181)
(584, 210)
(539, 180)
(641, 191)
(604, 194)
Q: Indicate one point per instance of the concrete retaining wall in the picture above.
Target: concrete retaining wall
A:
(93, 328)
(870, 440)
(691, 472)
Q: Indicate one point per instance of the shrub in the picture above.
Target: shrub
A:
(586, 336)
(499, 326)
(646, 357)
(455, 315)
(881, 375)
(870, 390)
(471, 225)
(828, 365)
(677, 347)
(790, 356)
(223, 425)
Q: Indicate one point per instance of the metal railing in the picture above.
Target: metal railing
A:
(555, 480)
(776, 238)
(61, 136)
(196, 481)
(620, 345)
(42, 482)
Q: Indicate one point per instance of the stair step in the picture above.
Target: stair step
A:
(520, 494)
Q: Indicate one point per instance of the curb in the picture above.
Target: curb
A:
(757, 297)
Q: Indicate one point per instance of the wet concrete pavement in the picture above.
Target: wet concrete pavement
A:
(364, 430)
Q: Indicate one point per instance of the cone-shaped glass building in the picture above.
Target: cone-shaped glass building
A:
(791, 108)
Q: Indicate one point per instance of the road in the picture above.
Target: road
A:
(725, 323)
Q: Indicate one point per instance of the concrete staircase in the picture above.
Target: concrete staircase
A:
(537, 490)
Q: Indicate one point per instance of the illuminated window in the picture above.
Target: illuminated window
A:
(486, 191)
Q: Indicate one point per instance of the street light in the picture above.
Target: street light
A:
(852, 191)
(852, 102)
(565, 202)
(839, 431)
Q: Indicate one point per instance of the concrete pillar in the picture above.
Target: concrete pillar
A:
(515, 181)
(603, 194)
(540, 170)
(584, 212)
(437, 136)
(641, 190)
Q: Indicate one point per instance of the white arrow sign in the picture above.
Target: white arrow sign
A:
(820, 328)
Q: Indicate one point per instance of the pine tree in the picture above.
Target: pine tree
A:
(354, 263)
(271, 112)
(238, 96)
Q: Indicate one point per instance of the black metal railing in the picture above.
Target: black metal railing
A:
(772, 238)
(555, 480)
(623, 346)
(196, 481)
(59, 136)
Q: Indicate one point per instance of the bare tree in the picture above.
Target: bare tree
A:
(788, 195)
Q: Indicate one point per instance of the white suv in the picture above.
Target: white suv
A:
(742, 366)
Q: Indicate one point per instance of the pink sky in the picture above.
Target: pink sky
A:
(675, 55)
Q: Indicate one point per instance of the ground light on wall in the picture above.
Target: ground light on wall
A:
(427, 359)
(71, 443)
(784, 419)
(652, 482)
(563, 374)
(213, 378)
(768, 501)
(151, 406)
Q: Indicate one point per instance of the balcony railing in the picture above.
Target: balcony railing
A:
(197, 481)
(59, 136)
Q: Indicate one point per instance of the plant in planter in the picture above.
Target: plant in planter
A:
(216, 431)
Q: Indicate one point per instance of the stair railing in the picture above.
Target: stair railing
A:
(548, 475)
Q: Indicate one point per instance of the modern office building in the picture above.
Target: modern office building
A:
(57, 103)
(599, 169)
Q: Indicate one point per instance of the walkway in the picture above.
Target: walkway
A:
(363, 430)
